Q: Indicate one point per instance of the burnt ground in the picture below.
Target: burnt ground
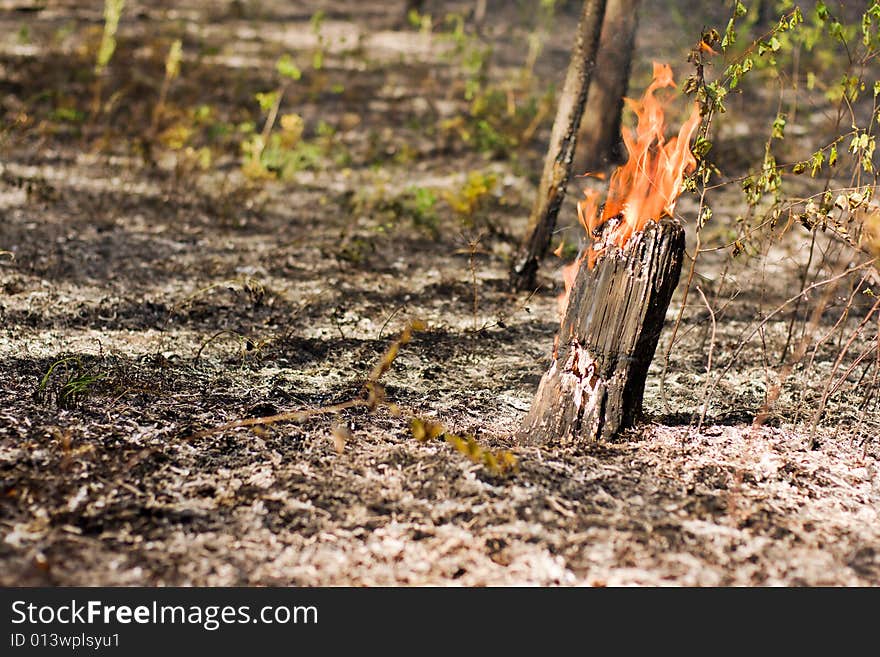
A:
(146, 304)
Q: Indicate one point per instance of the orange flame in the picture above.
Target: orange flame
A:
(647, 186)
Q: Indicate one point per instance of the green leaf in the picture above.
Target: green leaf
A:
(317, 20)
(729, 36)
(112, 13)
(816, 163)
(701, 148)
(266, 100)
(704, 217)
(172, 61)
(868, 154)
(287, 68)
(778, 130)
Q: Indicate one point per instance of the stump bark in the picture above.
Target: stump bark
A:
(596, 381)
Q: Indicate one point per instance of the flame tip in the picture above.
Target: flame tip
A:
(646, 187)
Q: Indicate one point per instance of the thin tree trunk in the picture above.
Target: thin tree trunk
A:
(479, 12)
(557, 165)
(595, 384)
(599, 142)
(766, 12)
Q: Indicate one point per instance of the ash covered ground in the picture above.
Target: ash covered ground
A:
(176, 300)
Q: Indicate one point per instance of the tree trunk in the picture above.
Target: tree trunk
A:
(557, 164)
(766, 12)
(479, 12)
(609, 333)
(599, 142)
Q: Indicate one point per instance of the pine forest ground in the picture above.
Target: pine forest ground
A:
(179, 300)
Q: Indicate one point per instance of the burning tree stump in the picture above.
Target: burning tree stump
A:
(609, 333)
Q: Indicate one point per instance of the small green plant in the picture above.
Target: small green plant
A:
(537, 37)
(67, 115)
(419, 203)
(501, 115)
(287, 68)
(172, 71)
(498, 121)
(67, 381)
(280, 153)
(470, 52)
(424, 23)
(112, 14)
(316, 23)
(255, 145)
(318, 77)
(472, 199)
(189, 133)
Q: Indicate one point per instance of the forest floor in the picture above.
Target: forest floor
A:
(172, 301)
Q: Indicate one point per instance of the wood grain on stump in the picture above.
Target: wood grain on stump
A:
(609, 334)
